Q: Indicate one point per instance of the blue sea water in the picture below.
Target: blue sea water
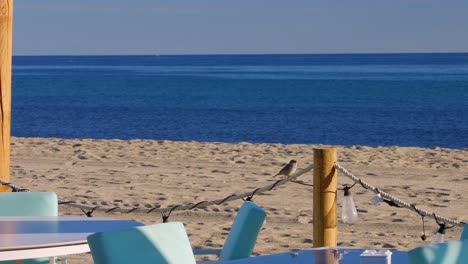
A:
(349, 99)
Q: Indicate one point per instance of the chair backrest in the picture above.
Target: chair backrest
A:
(464, 234)
(453, 252)
(160, 243)
(244, 232)
(28, 204)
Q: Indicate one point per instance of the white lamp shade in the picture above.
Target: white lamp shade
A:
(349, 213)
(377, 199)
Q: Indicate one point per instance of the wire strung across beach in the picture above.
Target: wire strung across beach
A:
(88, 209)
(394, 201)
(391, 200)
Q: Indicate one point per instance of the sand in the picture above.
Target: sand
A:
(145, 173)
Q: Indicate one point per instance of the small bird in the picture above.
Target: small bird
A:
(288, 170)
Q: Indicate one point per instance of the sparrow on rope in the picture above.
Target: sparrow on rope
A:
(288, 170)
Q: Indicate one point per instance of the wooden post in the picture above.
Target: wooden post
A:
(325, 188)
(6, 36)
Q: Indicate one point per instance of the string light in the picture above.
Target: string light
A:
(395, 202)
(377, 199)
(88, 213)
(423, 236)
(439, 236)
(349, 213)
(190, 206)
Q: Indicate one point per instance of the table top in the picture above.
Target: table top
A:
(32, 237)
(326, 255)
(30, 232)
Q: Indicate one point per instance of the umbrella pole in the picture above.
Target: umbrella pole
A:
(6, 37)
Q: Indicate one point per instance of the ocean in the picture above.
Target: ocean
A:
(345, 99)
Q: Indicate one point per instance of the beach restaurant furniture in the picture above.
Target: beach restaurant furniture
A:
(450, 252)
(464, 234)
(243, 235)
(453, 252)
(324, 255)
(159, 243)
(28, 237)
(29, 204)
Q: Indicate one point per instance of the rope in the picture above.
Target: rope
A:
(88, 209)
(13, 187)
(395, 200)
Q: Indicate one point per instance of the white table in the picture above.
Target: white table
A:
(23, 237)
(327, 255)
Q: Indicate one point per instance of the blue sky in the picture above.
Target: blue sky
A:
(58, 27)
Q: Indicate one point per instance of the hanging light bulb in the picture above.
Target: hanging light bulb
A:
(349, 213)
(439, 237)
(377, 199)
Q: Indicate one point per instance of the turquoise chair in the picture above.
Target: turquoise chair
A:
(243, 235)
(464, 234)
(28, 204)
(156, 244)
(453, 252)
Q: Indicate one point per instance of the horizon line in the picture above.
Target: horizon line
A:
(237, 54)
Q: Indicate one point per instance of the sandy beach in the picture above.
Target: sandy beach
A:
(145, 173)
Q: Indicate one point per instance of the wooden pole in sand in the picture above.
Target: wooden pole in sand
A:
(325, 188)
(6, 37)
